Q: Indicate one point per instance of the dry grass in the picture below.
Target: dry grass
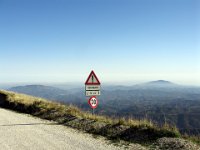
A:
(27, 100)
(102, 125)
(193, 138)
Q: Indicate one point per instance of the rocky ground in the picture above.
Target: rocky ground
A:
(174, 144)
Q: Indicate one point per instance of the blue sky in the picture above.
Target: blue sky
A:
(123, 41)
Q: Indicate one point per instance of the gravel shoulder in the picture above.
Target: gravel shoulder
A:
(21, 131)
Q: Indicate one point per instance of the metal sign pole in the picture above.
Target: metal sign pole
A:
(92, 111)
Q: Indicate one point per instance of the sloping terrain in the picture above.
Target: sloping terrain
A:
(133, 131)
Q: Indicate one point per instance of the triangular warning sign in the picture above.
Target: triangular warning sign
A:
(92, 79)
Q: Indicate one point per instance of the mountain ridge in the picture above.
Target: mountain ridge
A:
(39, 91)
(160, 82)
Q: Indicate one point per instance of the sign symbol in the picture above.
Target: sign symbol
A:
(93, 102)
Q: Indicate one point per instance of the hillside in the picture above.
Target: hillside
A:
(40, 91)
(160, 101)
(135, 131)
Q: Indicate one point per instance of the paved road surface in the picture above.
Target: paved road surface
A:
(24, 132)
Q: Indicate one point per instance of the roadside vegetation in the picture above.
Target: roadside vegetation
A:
(131, 130)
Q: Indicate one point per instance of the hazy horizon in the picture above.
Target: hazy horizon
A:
(123, 41)
(78, 84)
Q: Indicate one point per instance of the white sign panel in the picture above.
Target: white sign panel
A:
(92, 93)
(92, 87)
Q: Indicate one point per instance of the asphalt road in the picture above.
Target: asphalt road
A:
(24, 132)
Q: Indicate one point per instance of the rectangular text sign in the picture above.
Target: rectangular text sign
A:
(92, 87)
(92, 93)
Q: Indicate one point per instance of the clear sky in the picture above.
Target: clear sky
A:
(121, 40)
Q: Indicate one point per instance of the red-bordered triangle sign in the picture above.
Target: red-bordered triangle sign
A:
(92, 79)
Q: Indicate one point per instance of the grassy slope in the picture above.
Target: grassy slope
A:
(138, 131)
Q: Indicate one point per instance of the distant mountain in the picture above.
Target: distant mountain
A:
(160, 82)
(147, 85)
(40, 91)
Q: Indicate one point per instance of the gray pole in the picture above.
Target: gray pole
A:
(93, 111)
